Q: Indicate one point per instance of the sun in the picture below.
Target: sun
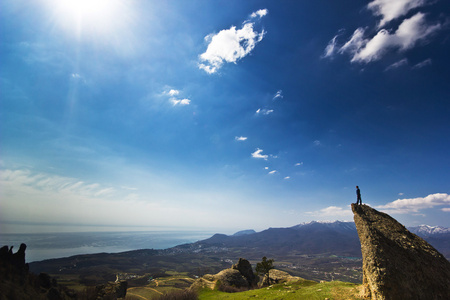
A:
(92, 17)
(86, 8)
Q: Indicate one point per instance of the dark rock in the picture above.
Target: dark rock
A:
(245, 268)
(398, 264)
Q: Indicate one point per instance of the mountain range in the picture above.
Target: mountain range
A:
(337, 238)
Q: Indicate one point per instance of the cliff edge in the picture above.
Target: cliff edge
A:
(398, 264)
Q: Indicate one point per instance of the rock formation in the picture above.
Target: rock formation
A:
(398, 264)
(245, 269)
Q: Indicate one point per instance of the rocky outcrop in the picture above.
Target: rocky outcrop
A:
(16, 282)
(278, 276)
(245, 269)
(398, 264)
(239, 276)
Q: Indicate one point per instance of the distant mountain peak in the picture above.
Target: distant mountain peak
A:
(427, 230)
(244, 232)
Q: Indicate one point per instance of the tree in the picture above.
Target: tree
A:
(264, 267)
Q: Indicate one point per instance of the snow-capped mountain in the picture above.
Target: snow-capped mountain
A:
(334, 225)
(426, 230)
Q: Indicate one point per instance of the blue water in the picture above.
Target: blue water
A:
(42, 246)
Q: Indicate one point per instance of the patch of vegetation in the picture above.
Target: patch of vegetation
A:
(302, 289)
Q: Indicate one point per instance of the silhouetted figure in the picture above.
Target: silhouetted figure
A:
(358, 196)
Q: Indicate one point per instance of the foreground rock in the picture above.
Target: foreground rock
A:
(239, 276)
(398, 264)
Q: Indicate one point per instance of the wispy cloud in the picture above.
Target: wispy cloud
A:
(240, 138)
(298, 164)
(264, 111)
(393, 9)
(364, 49)
(422, 64)
(414, 205)
(257, 154)
(231, 45)
(287, 177)
(396, 65)
(273, 172)
(405, 37)
(278, 94)
(317, 143)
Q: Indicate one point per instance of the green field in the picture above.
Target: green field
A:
(302, 289)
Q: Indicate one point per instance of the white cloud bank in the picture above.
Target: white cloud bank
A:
(230, 45)
(410, 32)
(414, 205)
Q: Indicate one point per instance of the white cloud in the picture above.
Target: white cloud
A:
(392, 9)
(230, 45)
(332, 212)
(279, 94)
(400, 63)
(264, 111)
(317, 143)
(273, 172)
(422, 64)
(409, 32)
(257, 154)
(173, 92)
(180, 101)
(299, 164)
(287, 177)
(240, 138)
(446, 209)
(414, 205)
(259, 13)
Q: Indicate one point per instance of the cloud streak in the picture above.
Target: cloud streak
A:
(231, 45)
(410, 32)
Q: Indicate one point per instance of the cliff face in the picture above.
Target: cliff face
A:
(398, 264)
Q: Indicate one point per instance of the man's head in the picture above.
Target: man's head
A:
(357, 187)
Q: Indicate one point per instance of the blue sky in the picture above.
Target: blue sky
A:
(224, 115)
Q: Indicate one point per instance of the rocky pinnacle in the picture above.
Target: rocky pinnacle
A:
(398, 264)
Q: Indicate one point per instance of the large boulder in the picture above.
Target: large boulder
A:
(245, 268)
(398, 264)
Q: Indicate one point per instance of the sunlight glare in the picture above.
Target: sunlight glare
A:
(96, 17)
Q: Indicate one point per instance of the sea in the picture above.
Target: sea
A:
(41, 246)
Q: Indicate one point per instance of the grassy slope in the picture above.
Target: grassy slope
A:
(302, 289)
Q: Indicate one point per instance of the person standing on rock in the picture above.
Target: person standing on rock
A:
(358, 196)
